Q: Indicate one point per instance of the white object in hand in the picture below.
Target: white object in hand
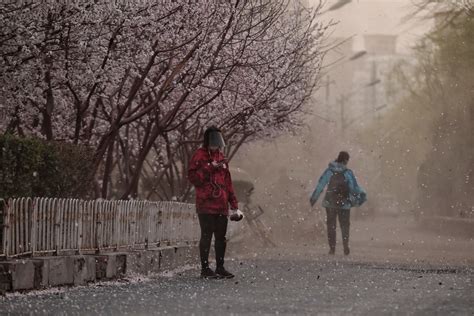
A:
(236, 215)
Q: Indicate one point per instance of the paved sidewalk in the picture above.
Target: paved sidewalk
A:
(394, 268)
(288, 287)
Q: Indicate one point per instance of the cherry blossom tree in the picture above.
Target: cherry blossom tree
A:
(139, 81)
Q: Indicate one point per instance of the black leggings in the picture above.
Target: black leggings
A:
(217, 225)
(344, 220)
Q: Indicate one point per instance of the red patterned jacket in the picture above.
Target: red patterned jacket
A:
(214, 190)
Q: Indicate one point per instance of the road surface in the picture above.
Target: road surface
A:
(296, 279)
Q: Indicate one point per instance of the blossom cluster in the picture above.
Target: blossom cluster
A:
(132, 78)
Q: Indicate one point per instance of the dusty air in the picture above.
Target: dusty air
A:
(296, 157)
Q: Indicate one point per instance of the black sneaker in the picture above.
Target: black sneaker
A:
(222, 273)
(346, 251)
(207, 273)
(332, 251)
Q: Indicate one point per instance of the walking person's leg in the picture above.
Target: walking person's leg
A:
(207, 223)
(345, 222)
(220, 246)
(331, 226)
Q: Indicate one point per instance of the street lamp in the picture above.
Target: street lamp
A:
(342, 60)
(358, 55)
(339, 4)
(373, 83)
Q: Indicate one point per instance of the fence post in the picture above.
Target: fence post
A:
(173, 219)
(58, 206)
(133, 224)
(98, 226)
(34, 225)
(28, 214)
(80, 206)
(160, 224)
(146, 219)
(115, 225)
(20, 226)
(14, 223)
(5, 227)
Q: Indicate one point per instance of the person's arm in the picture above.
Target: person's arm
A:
(234, 205)
(323, 181)
(357, 194)
(199, 170)
(354, 187)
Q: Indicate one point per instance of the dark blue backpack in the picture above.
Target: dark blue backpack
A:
(337, 192)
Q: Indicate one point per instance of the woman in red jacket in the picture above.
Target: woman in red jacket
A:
(209, 173)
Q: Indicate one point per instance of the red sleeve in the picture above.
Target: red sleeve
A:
(230, 190)
(199, 170)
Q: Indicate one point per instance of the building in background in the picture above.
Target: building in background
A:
(356, 88)
(374, 91)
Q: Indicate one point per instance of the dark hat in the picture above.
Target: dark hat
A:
(213, 138)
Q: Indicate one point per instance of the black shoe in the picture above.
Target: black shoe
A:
(222, 273)
(332, 251)
(347, 251)
(207, 273)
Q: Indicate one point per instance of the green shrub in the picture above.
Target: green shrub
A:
(36, 168)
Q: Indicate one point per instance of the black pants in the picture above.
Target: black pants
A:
(217, 225)
(344, 221)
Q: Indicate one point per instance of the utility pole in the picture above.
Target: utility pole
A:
(328, 94)
(342, 105)
(328, 83)
(374, 88)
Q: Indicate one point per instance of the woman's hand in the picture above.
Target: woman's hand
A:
(216, 164)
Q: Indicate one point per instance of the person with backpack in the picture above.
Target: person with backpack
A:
(209, 173)
(342, 193)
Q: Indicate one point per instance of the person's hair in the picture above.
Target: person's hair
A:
(343, 157)
(210, 129)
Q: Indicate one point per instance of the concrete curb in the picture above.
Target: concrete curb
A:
(43, 272)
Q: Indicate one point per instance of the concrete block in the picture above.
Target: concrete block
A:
(143, 262)
(187, 255)
(60, 270)
(84, 269)
(136, 263)
(152, 261)
(5, 282)
(167, 258)
(110, 266)
(41, 277)
(22, 278)
(174, 257)
(5, 278)
(121, 264)
(41, 272)
(17, 275)
(101, 263)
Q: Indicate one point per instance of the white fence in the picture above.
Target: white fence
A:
(42, 226)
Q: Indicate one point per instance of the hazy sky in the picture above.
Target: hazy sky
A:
(376, 17)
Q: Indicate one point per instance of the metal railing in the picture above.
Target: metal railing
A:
(41, 226)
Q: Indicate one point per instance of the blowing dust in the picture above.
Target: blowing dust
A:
(388, 228)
